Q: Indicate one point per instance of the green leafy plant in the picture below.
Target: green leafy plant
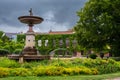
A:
(17, 51)
(20, 72)
(7, 63)
(4, 52)
(93, 56)
(4, 72)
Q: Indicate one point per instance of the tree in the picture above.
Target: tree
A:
(99, 25)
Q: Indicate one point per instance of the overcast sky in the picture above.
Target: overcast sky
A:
(58, 15)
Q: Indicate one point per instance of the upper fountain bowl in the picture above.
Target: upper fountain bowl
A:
(30, 19)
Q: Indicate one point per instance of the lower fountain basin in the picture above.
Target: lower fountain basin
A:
(29, 57)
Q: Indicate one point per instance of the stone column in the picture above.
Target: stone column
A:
(30, 39)
(21, 59)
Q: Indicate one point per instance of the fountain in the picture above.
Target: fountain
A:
(30, 20)
(29, 52)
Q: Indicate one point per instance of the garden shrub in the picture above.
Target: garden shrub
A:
(116, 58)
(7, 63)
(35, 63)
(26, 65)
(69, 71)
(101, 55)
(93, 56)
(17, 51)
(77, 61)
(3, 52)
(38, 71)
(110, 67)
(111, 61)
(58, 67)
(20, 72)
(44, 62)
(4, 72)
(10, 47)
(96, 66)
(94, 62)
(57, 71)
(47, 70)
(50, 71)
(63, 63)
(103, 66)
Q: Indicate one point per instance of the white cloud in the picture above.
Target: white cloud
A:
(7, 28)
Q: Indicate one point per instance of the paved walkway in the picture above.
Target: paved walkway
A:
(114, 79)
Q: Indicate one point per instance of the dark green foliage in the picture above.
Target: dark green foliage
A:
(21, 38)
(1, 33)
(7, 45)
(103, 66)
(101, 54)
(93, 56)
(11, 46)
(4, 52)
(3, 37)
(44, 50)
(116, 58)
(17, 51)
(99, 25)
(110, 66)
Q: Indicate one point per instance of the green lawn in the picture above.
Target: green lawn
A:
(81, 77)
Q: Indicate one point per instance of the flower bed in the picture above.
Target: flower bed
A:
(58, 67)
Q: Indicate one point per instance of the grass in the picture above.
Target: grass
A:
(80, 77)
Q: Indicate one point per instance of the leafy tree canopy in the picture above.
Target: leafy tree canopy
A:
(99, 25)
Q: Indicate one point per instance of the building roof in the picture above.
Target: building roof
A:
(61, 32)
(70, 31)
(10, 34)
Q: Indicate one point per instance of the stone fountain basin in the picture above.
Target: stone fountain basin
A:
(30, 19)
